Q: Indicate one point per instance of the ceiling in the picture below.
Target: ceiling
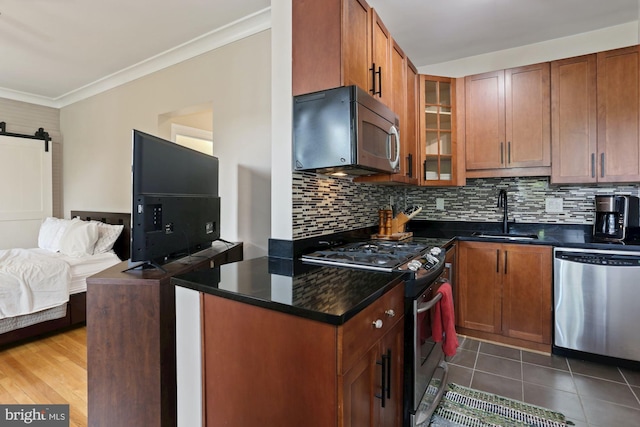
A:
(56, 51)
(432, 32)
(51, 49)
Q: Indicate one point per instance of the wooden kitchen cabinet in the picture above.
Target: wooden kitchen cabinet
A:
(340, 43)
(619, 115)
(392, 347)
(438, 146)
(331, 45)
(504, 293)
(365, 409)
(265, 367)
(526, 292)
(574, 120)
(410, 137)
(596, 117)
(381, 51)
(479, 287)
(404, 84)
(507, 122)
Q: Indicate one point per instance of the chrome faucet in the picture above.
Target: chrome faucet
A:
(502, 203)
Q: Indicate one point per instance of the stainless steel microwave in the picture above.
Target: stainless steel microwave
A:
(344, 131)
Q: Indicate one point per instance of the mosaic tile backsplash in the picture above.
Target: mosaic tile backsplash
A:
(323, 205)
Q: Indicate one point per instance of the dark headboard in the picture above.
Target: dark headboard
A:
(122, 246)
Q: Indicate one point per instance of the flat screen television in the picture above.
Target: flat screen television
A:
(176, 207)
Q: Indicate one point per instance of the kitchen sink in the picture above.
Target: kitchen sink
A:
(506, 236)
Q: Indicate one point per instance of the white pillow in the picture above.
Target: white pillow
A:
(51, 232)
(107, 236)
(79, 238)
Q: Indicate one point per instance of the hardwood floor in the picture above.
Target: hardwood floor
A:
(48, 370)
(54, 370)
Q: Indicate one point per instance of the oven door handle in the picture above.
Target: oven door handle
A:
(428, 306)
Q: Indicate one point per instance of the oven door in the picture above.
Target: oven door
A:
(428, 357)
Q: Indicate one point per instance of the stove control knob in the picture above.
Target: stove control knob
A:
(390, 313)
(414, 265)
(377, 324)
(435, 251)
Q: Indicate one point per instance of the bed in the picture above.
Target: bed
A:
(55, 277)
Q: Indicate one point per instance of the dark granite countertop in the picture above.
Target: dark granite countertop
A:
(560, 235)
(444, 233)
(326, 294)
(334, 295)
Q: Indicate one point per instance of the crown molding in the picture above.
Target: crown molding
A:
(237, 30)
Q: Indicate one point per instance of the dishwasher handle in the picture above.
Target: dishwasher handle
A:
(600, 258)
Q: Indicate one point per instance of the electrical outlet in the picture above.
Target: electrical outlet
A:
(553, 205)
(439, 204)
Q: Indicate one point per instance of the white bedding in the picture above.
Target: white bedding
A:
(33, 280)
(83, 267)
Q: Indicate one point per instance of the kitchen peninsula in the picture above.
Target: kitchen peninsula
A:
(298, 350)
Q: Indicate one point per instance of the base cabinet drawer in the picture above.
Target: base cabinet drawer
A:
(370, 325)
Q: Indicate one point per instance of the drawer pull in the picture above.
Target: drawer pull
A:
(390, 313)
(377, 324)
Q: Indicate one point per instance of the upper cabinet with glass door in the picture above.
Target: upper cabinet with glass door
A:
(437, 130)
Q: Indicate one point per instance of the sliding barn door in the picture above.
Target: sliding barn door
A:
(25, 190)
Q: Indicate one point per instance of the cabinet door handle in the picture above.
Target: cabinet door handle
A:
(593, 165)
(497, 260)
(501, 153)
(509, 152)
(410, 165)
(602, 165)
(424, 170)
(505, 261)
(373, 79)
(388, 373)
(383, 364)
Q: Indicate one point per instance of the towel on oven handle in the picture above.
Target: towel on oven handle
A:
(443, 327)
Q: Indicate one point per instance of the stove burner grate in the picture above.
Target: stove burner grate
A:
(384, 254)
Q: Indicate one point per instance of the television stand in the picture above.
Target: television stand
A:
(131, 341)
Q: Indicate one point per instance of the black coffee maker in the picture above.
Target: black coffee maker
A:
(615, 216)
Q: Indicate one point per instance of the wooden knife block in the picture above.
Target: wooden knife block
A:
(389, 225)
(398, 223)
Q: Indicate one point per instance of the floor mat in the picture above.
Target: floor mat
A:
(462, 406)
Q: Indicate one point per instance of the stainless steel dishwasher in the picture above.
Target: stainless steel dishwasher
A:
(597, 302)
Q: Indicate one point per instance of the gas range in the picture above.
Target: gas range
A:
(421, 262)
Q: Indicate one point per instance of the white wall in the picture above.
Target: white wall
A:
(236, 81)
(281, 184)
(566, 47)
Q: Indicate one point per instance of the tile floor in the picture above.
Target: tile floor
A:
(588, 394)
